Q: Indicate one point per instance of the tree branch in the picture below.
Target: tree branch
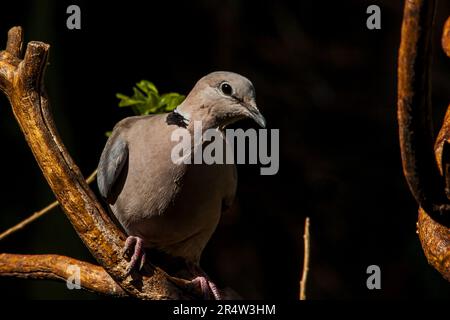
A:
(435, 240)
(55, 267)
(435, 237)
(427, 173)
(306, 252)
(15, 41)
(22, 82)
(446, 37)
(414, 110)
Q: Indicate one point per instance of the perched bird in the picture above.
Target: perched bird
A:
(174, 207)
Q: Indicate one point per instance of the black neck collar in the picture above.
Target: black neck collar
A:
(177, 119)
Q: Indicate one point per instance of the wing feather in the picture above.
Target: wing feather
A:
(112, 161)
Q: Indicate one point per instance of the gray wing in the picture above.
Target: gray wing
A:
(112, 161)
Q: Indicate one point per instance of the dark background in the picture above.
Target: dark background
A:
(321, 77)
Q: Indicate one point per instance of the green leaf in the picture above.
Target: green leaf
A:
(169, 101)
(146, 100)
(138, 95)
(129, 102)
(121, 96)
(152, 99)
(142, 109)
(147, 86)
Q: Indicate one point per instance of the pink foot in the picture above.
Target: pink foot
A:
(209, 288)
(135, 245)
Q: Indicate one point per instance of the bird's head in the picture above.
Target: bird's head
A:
(220, 99)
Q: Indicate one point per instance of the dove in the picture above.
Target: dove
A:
(172, 206)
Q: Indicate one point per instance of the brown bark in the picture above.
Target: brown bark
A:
(425, 168)
(22, 82)
(446, 37)
(435, 240)
(414, 109)
(55, 267)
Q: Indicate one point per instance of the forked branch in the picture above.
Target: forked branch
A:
(426, 170)
(22, 82)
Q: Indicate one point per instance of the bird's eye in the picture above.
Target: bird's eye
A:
(226, 89)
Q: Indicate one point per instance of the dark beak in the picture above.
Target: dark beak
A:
(256, 115)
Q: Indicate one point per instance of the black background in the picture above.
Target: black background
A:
(321, 77)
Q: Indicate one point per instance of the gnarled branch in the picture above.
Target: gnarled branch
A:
(55, 267)
(435, 240)
(424, 168)
(414, 109)
(22, 82)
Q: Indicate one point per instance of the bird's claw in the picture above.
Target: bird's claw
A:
(208, 288)
(134, 245)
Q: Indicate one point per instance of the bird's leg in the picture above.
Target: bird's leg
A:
(208, 287)
(203, 285)
(135, 245)
(215, 291)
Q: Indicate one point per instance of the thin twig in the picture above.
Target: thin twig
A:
(38, 214)
(306, 243)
